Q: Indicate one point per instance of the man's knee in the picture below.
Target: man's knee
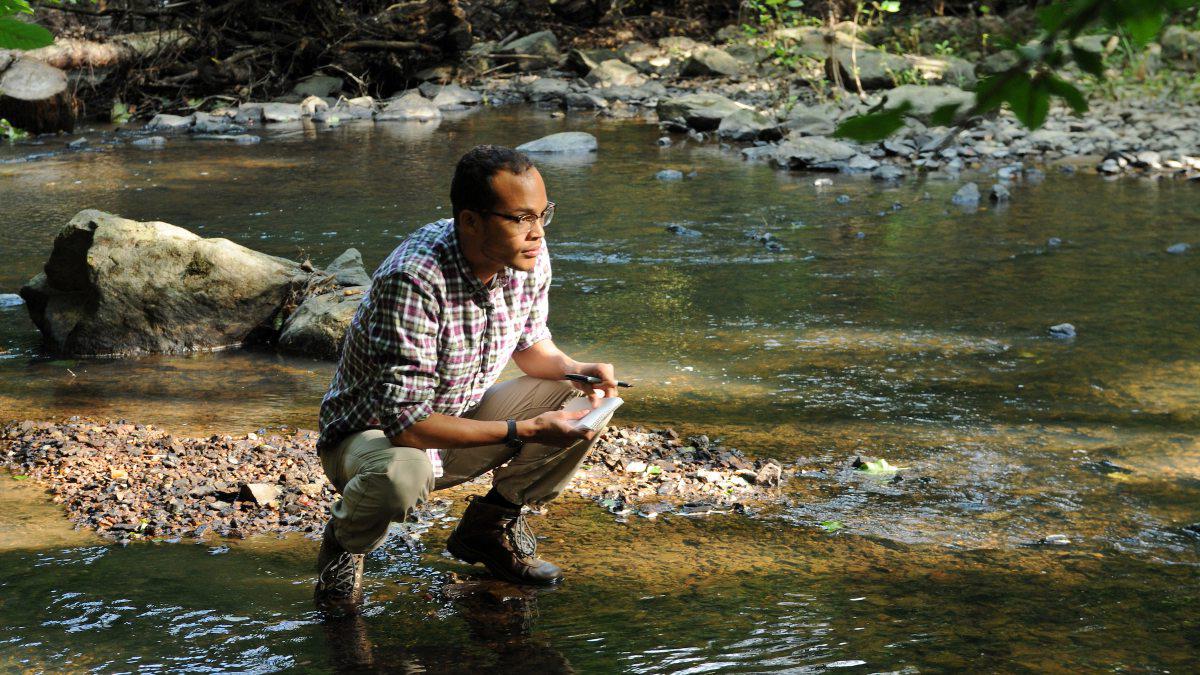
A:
(409, 482)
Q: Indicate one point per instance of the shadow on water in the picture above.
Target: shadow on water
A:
(890, 326)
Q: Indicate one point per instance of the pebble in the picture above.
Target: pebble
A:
(1062, 330)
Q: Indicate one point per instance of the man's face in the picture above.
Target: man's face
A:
(501, 240)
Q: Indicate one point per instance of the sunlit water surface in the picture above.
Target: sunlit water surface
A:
(893, 326)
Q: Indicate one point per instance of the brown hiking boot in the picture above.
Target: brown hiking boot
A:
(500, 538)
(339, 577)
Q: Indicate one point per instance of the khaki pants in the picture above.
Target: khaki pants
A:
(381, 483)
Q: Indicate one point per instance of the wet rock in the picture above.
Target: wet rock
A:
(566, 142)
(320, 85)
(348, 269)
(1109, 166)
(843, 199)
(1105, 467)
(669, 174)
(1063, 331)
(312, 105)
(236, 139)
(584, 100)
(454, 97)
(888, 172)
(614, 72)
(205, 123)
(359, 108)
(77, 144)
(543, 45)
(163, 122)
(813, 153)
(748, 125)
(546, 89)
(999, 194)
(117, 286)
(702, 112)
(1054, 540)
(861, 163)
(967, 195)
(706, 61)
(149, 142)
(1054, 242)
(277, 113)
(410, 106)
(1178, 249)
(664, 142)
(682, 231)
(811, 120)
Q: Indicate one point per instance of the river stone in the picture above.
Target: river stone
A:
(1062, 331)
(584, 61)
(887, 172)
(348, 269)
(703, 111)
(206, 123)
(1177, 249)
(748, 125)
(362, 107)
(614, 72)
(410, 106)
(585, 100)
(454, 97)
(708, 61)
(163, 122)
(813, 153)
(811, 120)
(114, 286)
(999, 194)
(541, 44)
(669, 174)
(547, 89)
(318, 85)
(1181, 47)
(150, 142)
(924, 100)
(563, 142)
(967, 195)
(318, 325)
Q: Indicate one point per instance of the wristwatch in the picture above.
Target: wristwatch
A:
(511, 439)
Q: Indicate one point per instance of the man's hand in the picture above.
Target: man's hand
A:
(556, 428)
(607, 386)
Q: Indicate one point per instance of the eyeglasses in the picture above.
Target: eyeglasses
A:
(525, 222)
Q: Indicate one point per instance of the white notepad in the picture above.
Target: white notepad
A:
(595, 418)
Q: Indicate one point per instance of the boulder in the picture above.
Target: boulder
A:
(454, 97)
(703, 111)
(924, 100)
(566, 142)
(348, 269)
(162, 122)
(318, 85)
(585, 100)
(805, 120)
(114, 286)
(319, 324)
(967, 195)
(1181, 47)
(876, 69)
(748, 125)
(584, 61)
(547, 89)
(615, 73)
(532, 52)
(813, 153)
(410, 106)
(708, 61)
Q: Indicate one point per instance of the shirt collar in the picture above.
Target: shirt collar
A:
(464, 265)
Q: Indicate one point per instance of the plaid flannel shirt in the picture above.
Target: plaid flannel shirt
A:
(429, 337)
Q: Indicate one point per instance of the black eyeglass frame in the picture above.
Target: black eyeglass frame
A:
(526, 221)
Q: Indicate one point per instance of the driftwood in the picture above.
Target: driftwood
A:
(34, 96)
(71, 54)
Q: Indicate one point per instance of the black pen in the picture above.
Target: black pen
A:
(589, 379)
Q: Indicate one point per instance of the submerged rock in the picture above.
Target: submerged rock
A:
(1062, 331)
(564, 142)
(967, 195)
(114, 286)
(1177, 249)
(669, 174)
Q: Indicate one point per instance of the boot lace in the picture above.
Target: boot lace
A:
(521, 537)
(340, 575)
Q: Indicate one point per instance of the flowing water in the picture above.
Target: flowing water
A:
(894, 325)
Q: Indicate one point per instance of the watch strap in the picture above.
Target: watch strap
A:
(512, 440)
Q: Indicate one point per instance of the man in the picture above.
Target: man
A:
(412, 407)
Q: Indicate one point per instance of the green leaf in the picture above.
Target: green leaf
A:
(1052, 16)
(20, 477)
(943, 115)
(1143, 28)
(1088, 61)
(9, 7)
(832, 525)
(873, 126)
(1029, 100)
(1067, 92)
(891, 6)
(993, 91)
(879, 468)
(119, 113)
(17, 35)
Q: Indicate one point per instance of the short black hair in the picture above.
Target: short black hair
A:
(471, 187)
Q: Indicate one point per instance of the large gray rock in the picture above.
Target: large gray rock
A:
(542, 45)
(205, 123)
(547, 89)
(163, 122)
(348, 269)
(708, 61)
(813, 153)
(360, 108)
(566, 142)
(410, 106)
(275, 112)
(615, 73)
(702, 111)
(819, 120)
(454, 97)
(114, 286)
(318, 326)
(583, 61)
(318, 85)
(1181, 47)
(924, 100)
(748, 125)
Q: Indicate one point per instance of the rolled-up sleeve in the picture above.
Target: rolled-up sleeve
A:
(535, 327)
(402, 329)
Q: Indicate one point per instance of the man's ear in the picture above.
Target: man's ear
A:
(469, 220)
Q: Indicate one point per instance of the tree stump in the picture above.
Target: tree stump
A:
(34, 97)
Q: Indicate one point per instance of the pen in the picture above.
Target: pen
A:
(589, 379)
